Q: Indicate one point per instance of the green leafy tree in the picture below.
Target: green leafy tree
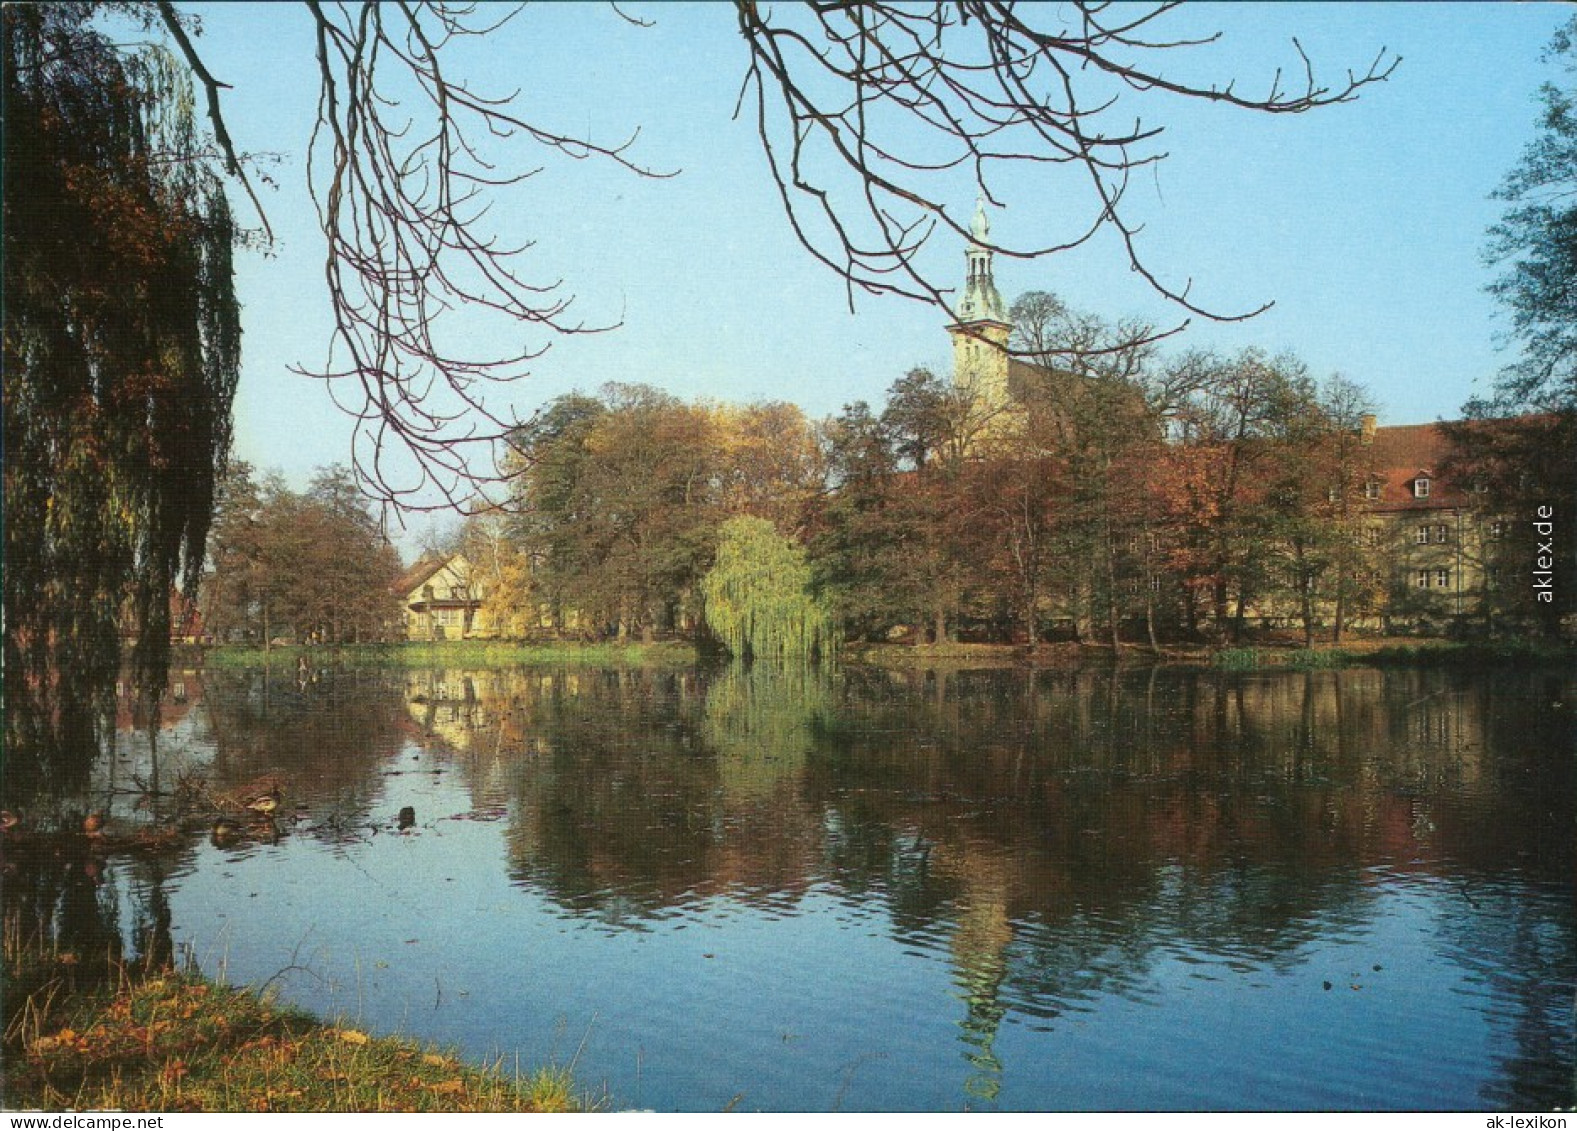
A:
(1515, 445)
(1536, 244)
(759, 598)
(121, 353)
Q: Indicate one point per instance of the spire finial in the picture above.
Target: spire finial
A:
(980, 301)
(980, 226)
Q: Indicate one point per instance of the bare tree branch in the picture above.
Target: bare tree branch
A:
(873, 116)
(982, 85)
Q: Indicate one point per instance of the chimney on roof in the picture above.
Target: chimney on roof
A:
(1366, 428)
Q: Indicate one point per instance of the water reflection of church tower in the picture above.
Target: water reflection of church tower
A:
(979, 945)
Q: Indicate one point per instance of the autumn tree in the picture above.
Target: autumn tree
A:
(853, 538)
(1019, 506)
(1306, 507)
(1228, 480)
(1089, 407)
(553, 457)
(622, 500)
(506, 571)
(313, 565)
(351, 563)
(1353, 581)
(121, 352)
(888, 546)
(770, 462)
(235, 595)
(929, 423)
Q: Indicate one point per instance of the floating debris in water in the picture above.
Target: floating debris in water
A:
(486, 813)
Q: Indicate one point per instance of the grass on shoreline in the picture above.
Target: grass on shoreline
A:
(167, 1041)
(1421, 653)
(491, 653)
(1381, 652)
(458, 653)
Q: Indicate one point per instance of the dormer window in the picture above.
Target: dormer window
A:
(1371, 489)
(1421, 487)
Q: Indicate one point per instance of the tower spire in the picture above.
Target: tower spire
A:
(980, 336)
(981, 301)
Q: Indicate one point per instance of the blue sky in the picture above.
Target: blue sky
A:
(1363, 222)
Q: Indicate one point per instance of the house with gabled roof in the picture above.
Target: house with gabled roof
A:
(441, 598)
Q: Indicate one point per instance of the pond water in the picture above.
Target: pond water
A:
(1142, 889)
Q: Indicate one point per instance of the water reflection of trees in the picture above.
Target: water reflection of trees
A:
(325, 737)
(68, 914)
(654, 790)
(1059, 835)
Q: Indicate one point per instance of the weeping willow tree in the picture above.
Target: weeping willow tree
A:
(758, 597)
(121, 353)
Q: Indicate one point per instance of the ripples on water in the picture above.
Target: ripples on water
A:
(1144, 890)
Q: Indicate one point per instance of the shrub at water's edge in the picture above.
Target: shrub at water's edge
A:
(165, 1041)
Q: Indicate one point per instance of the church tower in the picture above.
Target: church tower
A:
(980, 336)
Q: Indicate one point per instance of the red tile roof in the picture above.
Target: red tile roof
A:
(1403, 453)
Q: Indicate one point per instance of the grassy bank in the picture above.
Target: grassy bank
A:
(1394, 652)
(1391, 653)
(459, 654)
(175, 1042)
(488, 653)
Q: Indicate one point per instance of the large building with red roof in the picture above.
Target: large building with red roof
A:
(1433, 537)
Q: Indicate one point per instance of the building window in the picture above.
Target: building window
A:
(1442, 579)
(1421, 579)
(1442, 532)
(1371, 489)
(1497, 530)
(1421, 487)
(1421, 537)
(1371, 536)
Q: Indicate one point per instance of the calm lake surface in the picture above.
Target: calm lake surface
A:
(1133, 889)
